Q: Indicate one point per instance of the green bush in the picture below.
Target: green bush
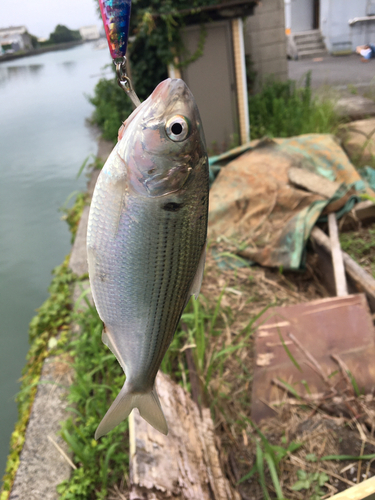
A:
(281, 109)
(112, 107)
(63, 34)
(98, 379)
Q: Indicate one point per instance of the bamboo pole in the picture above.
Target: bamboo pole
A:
(361, 491)
(337, 258)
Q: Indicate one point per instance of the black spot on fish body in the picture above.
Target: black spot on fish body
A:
(172, 207)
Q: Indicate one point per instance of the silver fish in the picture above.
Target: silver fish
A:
(146, 241)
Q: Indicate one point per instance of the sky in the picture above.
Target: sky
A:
(41, 16)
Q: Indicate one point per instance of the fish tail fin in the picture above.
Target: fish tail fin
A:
(147, 403)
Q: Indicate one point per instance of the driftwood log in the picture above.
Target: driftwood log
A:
(185, 464)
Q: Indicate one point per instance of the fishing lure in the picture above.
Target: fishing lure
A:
(116, 20)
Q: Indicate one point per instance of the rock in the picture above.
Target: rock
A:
(355, 107)
(358, 140)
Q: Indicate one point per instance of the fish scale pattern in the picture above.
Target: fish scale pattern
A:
(145, 243)
(145, 262)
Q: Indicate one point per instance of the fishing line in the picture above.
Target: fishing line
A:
(116, 20)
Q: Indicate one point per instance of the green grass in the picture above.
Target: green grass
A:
(283, 109)
(360, 246)
(268, 456)
(72, 214)
(51, 322)
(98, 379)
(112, 107)
(279, 109)
(312, 483)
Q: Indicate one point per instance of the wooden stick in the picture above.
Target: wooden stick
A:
(311, 358)
(62, 452)
(363, 280)
(337, 258)
(306, 465)
(311, 398)
(343, 368)
(360, 463)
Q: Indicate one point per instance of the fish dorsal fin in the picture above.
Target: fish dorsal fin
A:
(108, 341)
(198, 278)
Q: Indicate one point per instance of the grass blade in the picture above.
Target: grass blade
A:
(291, 389)
(249, 475)
(82, 167)
(290, 355)
(260, 470)
(348, 457)
(274, 476)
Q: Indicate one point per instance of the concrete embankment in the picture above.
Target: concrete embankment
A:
(45, 457)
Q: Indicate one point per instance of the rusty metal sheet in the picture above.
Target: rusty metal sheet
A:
(338, 325)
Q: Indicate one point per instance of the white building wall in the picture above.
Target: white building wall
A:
(89, 32)
(338, 35)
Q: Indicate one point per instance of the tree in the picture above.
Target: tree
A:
(63, 34)
(34, 41)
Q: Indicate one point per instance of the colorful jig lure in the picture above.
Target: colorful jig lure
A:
(116, 19)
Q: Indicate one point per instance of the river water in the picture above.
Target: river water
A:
(43, 142)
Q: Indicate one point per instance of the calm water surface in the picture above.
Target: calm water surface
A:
(43, 142)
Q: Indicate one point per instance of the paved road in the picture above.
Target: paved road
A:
(334, 71)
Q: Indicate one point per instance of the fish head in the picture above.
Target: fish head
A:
(162, 143)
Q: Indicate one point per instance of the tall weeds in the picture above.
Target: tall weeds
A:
(282, 109)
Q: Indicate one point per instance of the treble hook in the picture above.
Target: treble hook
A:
(124, 81)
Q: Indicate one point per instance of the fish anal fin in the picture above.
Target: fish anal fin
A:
(107, 339)
(198, 278)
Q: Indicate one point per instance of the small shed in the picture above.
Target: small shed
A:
(218, 77)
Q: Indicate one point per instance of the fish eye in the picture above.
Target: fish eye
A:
(177, 128)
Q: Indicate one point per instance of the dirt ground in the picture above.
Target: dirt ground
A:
(301, 432)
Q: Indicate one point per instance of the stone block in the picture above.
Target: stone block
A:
(271, 52)
(270, 6)
(274, 67)
(268, 20)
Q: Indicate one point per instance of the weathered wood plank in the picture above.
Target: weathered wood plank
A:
(183, 465)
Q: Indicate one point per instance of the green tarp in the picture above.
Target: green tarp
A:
(253, 204)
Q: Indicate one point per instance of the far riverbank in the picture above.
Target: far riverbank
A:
(42, 50)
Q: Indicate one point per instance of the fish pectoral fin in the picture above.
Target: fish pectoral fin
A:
(198, 278)
(148, 405)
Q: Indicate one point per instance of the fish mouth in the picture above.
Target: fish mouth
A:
(171, 90)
